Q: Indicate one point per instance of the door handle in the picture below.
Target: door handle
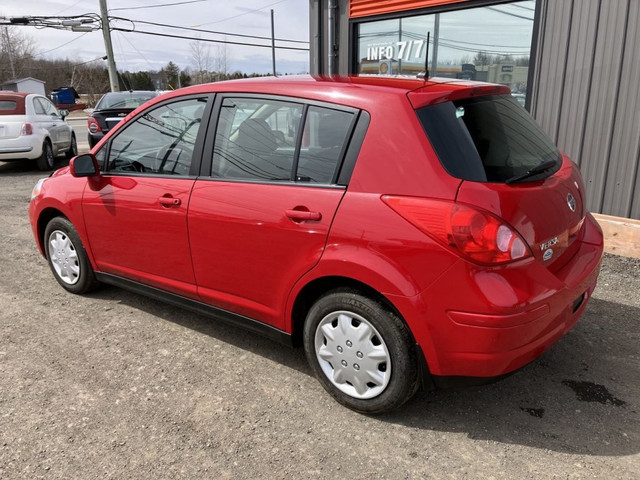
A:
(169, 201)
(302, 215)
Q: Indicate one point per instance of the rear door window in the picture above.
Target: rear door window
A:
(256, 139)
(488, 139)
(324, 139)
(269, 140)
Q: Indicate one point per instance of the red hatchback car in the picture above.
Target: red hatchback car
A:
(401, 230)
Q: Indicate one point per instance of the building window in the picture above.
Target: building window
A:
(490, 44)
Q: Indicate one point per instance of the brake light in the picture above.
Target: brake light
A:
(27, 129)
(476, 234)
(93, 125)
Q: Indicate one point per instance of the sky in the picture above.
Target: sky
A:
(135, 51)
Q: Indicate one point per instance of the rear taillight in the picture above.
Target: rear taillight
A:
(476, 234)
(93, 125)
(27, 129)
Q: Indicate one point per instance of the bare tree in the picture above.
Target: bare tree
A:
(220, 62)
(16, 53)
(201, 58)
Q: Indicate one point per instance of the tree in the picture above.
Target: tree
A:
(185, 78)
(140, 81)
(482, 59)
(172, 71)
(201, 57)
(16, 54)
(220, 62)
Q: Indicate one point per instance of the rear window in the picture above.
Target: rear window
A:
(125, 100)
(488, 139)
(10, 106)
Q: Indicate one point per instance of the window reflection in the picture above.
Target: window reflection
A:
(490, 44)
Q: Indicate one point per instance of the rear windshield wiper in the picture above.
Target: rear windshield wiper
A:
(546, 165)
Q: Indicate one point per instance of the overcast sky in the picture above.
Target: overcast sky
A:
(134, 51)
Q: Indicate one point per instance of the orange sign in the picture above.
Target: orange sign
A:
(364, 8)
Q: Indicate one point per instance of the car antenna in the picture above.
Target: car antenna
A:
(425, 75)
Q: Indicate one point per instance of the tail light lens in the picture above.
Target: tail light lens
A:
(93, 125)
(476, 234)
(27, 129)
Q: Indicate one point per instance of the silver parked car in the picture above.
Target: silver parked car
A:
(31, 127)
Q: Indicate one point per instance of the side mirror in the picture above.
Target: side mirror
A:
(63, 113)
(84, 166)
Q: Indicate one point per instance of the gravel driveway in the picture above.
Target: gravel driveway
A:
(113, 385)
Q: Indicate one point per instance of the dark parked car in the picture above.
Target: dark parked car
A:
(111, 109)
(400, 230)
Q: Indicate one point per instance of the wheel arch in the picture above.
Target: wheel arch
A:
(318, 287)
(44, 218)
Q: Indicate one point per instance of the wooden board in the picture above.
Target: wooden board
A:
(621, 235)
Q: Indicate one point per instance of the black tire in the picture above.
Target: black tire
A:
(375, 375)
(73, 149)
(67, 257)
(46, 160)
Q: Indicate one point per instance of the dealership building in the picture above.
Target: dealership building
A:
(574, 64)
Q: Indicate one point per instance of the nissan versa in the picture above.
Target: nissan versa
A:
(402, 231)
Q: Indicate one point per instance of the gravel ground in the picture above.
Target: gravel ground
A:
(113, 385)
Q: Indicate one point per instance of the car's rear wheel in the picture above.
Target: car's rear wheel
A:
(45, 161)
(67, 257)
(73, 149)
(361, 352)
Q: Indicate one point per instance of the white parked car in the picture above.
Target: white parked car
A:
(31, 127)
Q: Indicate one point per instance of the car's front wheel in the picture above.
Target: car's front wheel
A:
(45, 161)
(67, 257)
(361, 352)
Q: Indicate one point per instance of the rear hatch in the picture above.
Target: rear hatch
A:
(510, 167)
(114, 106)
(107, 119)
(12, 116)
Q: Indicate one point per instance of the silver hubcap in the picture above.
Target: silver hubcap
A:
(353, 355)
(64, 257)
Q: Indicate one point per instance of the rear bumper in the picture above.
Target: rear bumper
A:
(487, 322)
(94, 137)
(26, 146)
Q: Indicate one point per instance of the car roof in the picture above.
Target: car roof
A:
(10, 93)
(19, 98)
(356, 91)
(131, 92)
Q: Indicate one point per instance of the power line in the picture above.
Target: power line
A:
(193, 29)
(509, 13)
(184, 37)
(139, 53)
(241, 14)
(158, 6)
(67, 8)
(521, 6)
(60, 46)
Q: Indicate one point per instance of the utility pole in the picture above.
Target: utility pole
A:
(9, 51)
(273, 45)
(436, 41)
(106, 33)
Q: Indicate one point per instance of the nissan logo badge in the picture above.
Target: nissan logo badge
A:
(571, 202)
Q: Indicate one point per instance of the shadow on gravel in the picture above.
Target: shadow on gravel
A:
(248, 341)
(580, 397)
(28, 167)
